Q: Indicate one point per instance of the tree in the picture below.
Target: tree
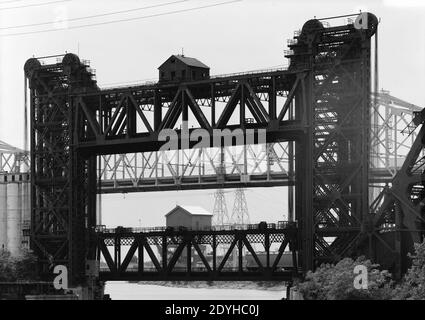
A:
(336, 282)
(26, 266)
(22, 267)
(413, 285)
(6, 267)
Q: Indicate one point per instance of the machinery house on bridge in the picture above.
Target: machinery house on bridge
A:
(181, 68)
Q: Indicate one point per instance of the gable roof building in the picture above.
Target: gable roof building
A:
(181, 68)
(191, 217)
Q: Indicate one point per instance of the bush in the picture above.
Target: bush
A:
(413, 285)
(335, 282)
(22, 267)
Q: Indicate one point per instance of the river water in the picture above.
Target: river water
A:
(121, 290)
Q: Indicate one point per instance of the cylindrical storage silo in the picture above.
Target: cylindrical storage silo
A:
(14, 232)
(3, 216)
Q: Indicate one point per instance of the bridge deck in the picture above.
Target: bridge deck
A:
(286, 275)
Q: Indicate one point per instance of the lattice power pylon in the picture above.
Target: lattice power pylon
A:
(220, 213)
(240, 214)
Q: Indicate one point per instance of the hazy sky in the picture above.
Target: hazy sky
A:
(240, 36)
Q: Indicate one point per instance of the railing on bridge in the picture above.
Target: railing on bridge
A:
(233, 252)
(224, 227)
(154, 81)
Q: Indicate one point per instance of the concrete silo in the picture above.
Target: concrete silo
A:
(3, 215)
(14, 230)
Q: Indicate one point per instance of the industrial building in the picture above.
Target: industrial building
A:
(191, 217)
(15, 214)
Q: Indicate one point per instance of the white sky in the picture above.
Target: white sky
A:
(241, 36)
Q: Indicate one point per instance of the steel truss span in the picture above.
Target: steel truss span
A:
(171, 254)
(320, 107)
(13, 160)
(398, 219)
(251, 165)
(392, 135)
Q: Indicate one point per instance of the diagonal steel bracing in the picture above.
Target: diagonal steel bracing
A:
(193, 255)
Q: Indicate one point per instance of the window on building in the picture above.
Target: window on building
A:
(193, 74)
(183, 74)
(173, 75)
(162, 74)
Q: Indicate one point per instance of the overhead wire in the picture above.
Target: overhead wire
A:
(92, 16)
(34, 5)
(9, 1)
(122, 20)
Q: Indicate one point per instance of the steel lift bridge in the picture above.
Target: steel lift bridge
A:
(318, 111)
(13, 160)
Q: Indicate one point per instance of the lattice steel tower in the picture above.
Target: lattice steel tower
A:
(240, 213)
(220, 213)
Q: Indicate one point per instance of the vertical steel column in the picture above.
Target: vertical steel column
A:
(212, 93)
(267, 248)
(240, 254)
(157, 109)
(242, 105)
(214, 249)
(272, 99)
(304, 176)
(140, 254)
(164, 252)
(189, 256)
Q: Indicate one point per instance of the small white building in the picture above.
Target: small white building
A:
(192, 217)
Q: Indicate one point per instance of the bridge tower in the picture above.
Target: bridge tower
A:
(332, 158)
(63, 186)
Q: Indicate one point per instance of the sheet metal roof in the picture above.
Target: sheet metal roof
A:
(193, 210)
(189, 61)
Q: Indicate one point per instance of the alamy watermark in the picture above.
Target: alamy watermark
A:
(361, 280)
(61, 280)
(361, 22)
(202, 138)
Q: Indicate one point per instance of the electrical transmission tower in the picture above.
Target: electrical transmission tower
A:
(220, 213)
(240, 213)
